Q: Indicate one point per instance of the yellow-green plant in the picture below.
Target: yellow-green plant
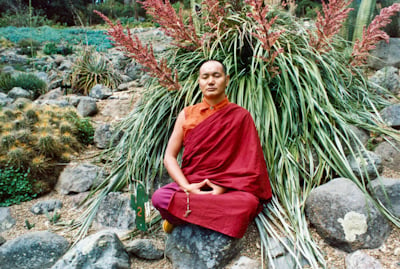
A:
(93, 68)
(39, 139)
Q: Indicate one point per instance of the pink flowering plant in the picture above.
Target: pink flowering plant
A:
(304, 87)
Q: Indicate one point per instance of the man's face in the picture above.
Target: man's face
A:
(213, 81)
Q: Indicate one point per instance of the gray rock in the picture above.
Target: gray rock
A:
(387, 78)
(387, 190)
(4, 99)
(361, 260)
(12, 58)
(344, 217)
(87, 107)
(246, 263)
(51, 95)
(18, 92)
(126, 86)
(391, 115)
(35, 250)
(385, 54)
(20, 102)
(56, 83)
(6, 220)
(2, 240)
(191, 246)
(76, 178)
(102, 250)
(73, 99)
(104, 136)
(281, 258)
(133, 70)
(100, 91)
(390, 156)
(145, 249)
(115, 212)
(42, 207)
(361, 135)
(59, 103)
(43, 76)
(65, 65)
(8, 69)
(366, 164)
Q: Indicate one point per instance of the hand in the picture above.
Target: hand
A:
(205, 187)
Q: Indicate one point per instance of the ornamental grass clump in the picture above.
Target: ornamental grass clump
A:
(302, 86)
(93, 68)
(39, 141)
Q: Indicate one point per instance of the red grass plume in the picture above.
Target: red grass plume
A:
(142, 54)
(335, 13)
(373, 34)
(264, 33)
(172, 24)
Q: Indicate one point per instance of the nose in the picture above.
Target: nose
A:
(211, 80)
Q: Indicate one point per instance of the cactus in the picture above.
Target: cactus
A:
(37, 139)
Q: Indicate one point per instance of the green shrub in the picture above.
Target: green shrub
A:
(93, 68)
(22, 19)
(30, 82)
(15, 186)
(28, 47)
(51, 48)
(7, 82)
(85, 130)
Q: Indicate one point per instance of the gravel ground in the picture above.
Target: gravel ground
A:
(388, 254)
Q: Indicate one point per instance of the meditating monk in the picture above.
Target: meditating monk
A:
(223, 180)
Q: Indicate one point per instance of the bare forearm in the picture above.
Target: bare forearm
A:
(175, 172)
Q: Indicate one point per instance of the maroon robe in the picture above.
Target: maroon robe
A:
(225, 148)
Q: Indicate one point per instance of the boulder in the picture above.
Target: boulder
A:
(5, 100)
(344, 217)
(281, 257)
(18, 92)
(102, 250)
(387, 78)
(246, 263)
(104, 136)
(365, 164)
(361, 260)
(191, 246)
(115, 212)
(42, 207)
(76, 178)
(390, 156)
(144, 249)
(387, 190)
(2, 240)
(6, 220)
(35, 250)
(87, 107)
(391, 115)
(100, 92)
(385, 54)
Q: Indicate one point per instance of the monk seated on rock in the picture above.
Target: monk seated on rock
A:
(223, 181)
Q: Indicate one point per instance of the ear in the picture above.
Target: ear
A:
(227, 79)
